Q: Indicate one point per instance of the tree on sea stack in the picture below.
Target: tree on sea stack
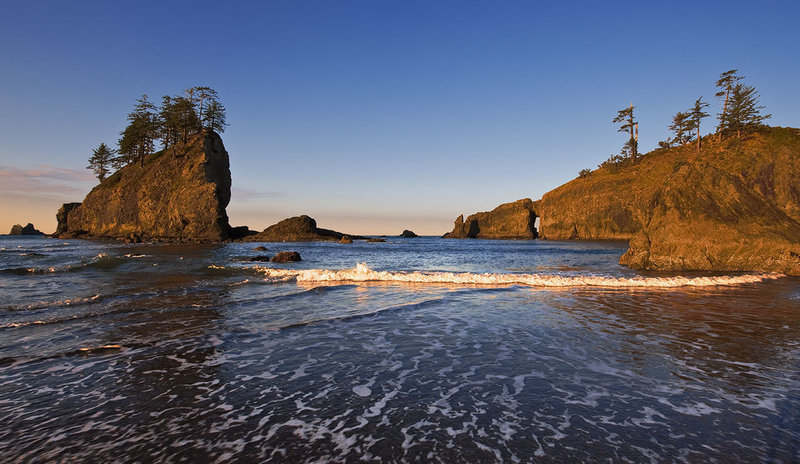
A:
(631, 147)
(726, 82)
(101, 161)
(214, 117)
(696, 114)
(744, 112)
(139, 137)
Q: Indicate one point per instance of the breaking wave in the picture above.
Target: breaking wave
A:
(362, 273)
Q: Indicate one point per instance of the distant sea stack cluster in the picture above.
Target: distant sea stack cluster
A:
(28, 229)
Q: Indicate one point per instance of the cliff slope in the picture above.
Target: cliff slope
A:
(734, 206)
(179, 194)
(511, 221)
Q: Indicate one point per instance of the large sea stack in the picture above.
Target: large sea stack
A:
(735, 206)
(510, 221)
(179, 194)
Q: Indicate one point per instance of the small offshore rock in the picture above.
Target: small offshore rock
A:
(286, 257)
(17, 229)
(408, 234)
(346, 239)
(375, 240)
(260, 248)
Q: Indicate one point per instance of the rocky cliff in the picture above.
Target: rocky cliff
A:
(511, 221)
(179, 194)
(735, 206)
(298, 229)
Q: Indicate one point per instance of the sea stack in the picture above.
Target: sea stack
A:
(179, 194)
(509, 221)
(29, 229)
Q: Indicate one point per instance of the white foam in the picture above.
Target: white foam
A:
(362, 273)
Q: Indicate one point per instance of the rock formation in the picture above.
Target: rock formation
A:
(179, 194)
(61, 217)
(511, 221)
(286, 257)
(408, 234)
(297, 229)
(17, 229)
(733, 207)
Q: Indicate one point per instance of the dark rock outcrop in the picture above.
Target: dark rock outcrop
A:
(17, 229)
(61, 217)
(286, 257)
(408, 234)
(376, 240)
(346, 240)
(297, 229)
(509, 221)
(179, 194)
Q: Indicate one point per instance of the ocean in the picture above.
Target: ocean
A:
(412, 350)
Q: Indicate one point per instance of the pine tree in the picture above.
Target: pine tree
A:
(696, 114)
(101, 161)
(214, 116)
(681, 126)
(725, 83)
(205, 96)
(631, 147)
(744, 112)
(138, 138)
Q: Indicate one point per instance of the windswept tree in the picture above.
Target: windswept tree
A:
(696, 115)
(744, 112)
(101, 161)
(214, 117)
(631, 148)
(138, 139)
(682, 128)
(725, 83)
(205, 97)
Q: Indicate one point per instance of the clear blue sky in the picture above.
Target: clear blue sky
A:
(375, 116)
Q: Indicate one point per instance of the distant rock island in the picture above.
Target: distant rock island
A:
(509, 221)
(177, 194)
(29, 229)
(735, 206)
(299, 229)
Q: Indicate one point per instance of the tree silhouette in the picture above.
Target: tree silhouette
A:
(631, 147)
(101, 161)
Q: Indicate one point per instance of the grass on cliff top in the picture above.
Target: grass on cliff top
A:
(740, 156)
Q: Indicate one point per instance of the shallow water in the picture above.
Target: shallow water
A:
(431, 350)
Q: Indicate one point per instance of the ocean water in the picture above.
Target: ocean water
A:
(413, 350)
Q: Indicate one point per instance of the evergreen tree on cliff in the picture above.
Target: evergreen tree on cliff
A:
(744, 112)
(696, 114)
(725, 83)
(214, 117)
(205, 97)
(138, 139)
(631, 147)
(681, 126)
(101, 161)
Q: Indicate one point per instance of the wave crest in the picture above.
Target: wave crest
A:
(362, 273)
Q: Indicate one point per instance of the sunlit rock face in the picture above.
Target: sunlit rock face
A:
(179, 194)
(510, 221)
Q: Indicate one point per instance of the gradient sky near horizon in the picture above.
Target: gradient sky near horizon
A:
(375, 116)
